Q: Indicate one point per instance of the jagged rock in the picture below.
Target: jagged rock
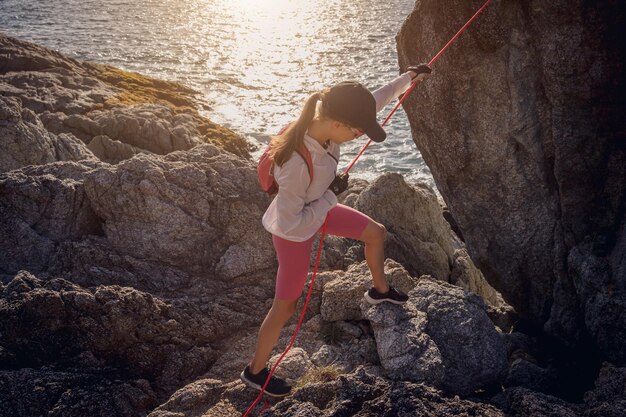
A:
(111, 151)
(529, 375)
(191, 399)
(608, 397)
(520, 345)
(421, 240)
(293, 365)
(523, 157)
(152, 127)
(83, 100)
(27, 56)
(337, 252)
(348, 355)
(604, 301)
(522, 402)
(419, 237)
(91, 262)
(202, 207)
(56, 90)
(238, 347)
(37, 392)
(25, 141)
(442, 335)
(343, 295)
(364, 393)
(473, 351)
(465, 274)
(42, 206)
(55, 322)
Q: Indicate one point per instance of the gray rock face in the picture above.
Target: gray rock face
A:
(529, 375)
(42, 206)
(112, 151)
(608, 397)
(29, 392)
(441, 336)
(522, 127)
(342, 296)
(187, 400)
(418, 235)
(26, 55)
(420, 238)
(154, 128)
(197, 210)
(51, 106)
(25, 141)
(57, 322)
(363, 392)
(473, 351)
(522, 402)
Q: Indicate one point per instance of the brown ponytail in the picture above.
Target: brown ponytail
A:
(286, 143)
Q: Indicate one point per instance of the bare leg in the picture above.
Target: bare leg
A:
(279, 314)
(374, 238)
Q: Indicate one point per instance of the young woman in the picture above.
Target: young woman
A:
(329, 118)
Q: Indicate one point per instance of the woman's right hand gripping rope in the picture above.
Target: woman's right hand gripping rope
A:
(339, 184)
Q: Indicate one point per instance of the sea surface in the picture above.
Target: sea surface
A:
(255, 62)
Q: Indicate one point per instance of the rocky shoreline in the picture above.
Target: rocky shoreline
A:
(135, 272)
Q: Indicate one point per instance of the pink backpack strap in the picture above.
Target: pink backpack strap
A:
(304, 152)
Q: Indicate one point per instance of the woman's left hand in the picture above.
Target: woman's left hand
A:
(420, 72)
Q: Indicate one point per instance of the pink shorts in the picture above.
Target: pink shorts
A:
(294, 258)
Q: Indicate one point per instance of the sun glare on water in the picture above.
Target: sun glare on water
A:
(278, 35)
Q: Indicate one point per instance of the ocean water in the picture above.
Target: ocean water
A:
(255, 62)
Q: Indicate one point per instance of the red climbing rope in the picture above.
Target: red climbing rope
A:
(319, 250)
(293, 338)
(432, 61)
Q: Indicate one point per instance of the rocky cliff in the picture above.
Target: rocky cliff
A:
(523, 128)
(134, 274)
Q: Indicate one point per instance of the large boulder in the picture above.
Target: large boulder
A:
(58, 323)
(343, 292)
(418, 235)
(524, 136)
(198, 210)
(442, 335)
(41, 207)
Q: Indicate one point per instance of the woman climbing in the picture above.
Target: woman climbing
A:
(329, 118)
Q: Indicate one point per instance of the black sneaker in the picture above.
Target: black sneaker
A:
(277, 387)
(393, 296)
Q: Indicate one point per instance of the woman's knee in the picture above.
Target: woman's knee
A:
(374, 233)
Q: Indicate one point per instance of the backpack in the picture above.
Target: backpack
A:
(265, 167)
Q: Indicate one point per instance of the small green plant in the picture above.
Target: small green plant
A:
(318, 374)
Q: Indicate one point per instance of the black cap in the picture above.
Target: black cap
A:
(351, 103)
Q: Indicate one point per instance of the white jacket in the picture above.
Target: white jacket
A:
(300, 207)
